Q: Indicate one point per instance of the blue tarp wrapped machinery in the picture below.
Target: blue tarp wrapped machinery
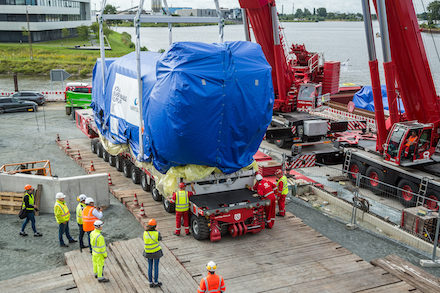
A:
(203, 104)
(363, 99)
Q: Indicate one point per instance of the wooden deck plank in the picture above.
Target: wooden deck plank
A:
(398, 287)
(409, 273)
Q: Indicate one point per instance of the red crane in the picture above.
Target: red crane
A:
(408, 76)
(299, 76)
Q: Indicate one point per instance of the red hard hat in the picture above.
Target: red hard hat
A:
(152, 222)
(182, 185)
(28, 187)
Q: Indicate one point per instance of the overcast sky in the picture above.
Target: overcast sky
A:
(331, 5)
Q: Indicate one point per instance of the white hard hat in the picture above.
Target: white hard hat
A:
(89, 200)
(60, 195)
(259, 177)
(82, 197)
(211, 266)
(98, 223)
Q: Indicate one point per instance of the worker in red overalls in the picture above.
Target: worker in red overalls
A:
(281, 191)
(265, 190)
(181, 199)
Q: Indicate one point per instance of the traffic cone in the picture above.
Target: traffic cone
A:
(142, 211)
(78, 156)
(67, 145)
(58, 137)
(135, 201)
(109, 179)
(92, 168)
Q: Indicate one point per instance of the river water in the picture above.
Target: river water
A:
(338, 41)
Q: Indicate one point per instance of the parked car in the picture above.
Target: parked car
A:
(36, 97)
(15, 105)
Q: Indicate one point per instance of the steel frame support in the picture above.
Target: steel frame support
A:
(170, 25)
(221, 21)
(247, 33)
(102, 44)
(137, 25)
(375, 78)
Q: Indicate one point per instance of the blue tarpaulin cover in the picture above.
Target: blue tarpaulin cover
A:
(363, 99)
(203, 104)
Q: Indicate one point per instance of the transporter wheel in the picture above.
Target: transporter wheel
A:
(408, 194)
(119, 163)
(99, 150)
(105, 155)
(432, 201)
(68, 111)
(168, 206)
(94, 145)
(199, 227)
(144, 182)
(112, 160)
(355, 169)
(154, 192)
(373, 176)
(126, 168)
(135, 174)
(282, 143)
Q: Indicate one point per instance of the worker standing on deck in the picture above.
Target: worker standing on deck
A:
(281, 191)
(90, 215)
(99, 251)
(62, 215)
(152, 252)
(212, 283)
(29, 207)
(181, 199)
(265, 189)
(79, 220)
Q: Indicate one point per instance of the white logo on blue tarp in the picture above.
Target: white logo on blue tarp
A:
(125, 97)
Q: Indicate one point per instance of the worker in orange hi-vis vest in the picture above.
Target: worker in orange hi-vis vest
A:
(410, 144)
(90, 215)
(212, 283)
(265, 190)
(282, 190)
(181, 199)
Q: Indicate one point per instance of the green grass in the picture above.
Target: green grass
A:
(57, 55)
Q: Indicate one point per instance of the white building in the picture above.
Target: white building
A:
(46, 18)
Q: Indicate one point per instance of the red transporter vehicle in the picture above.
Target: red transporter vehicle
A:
(301, 84)
(413, 169)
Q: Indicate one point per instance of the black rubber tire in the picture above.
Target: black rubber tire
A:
(119, 163)
(112, 160)
(376, 174)
(126, 168)
(355, 166)
(281, 143)
(199, 227)
(105, 155)
(224, 230)
(408, 200)
(168, 206)
(155, 194)
(135, 174)
(68, 111)
(144, 182)
(99, 150)
(94, 145)
(431, 204)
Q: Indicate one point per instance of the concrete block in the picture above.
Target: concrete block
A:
(427, 263)
(95, 185)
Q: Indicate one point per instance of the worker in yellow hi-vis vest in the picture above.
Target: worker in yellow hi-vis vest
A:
(152, 252)
(181, 199)
(281, 191)
(99, 251)
(62, 215)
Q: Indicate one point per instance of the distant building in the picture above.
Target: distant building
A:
(197, 12)
(46, 18)
(156, 5)
(173, 10)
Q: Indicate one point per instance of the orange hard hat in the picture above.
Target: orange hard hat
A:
(152, 222)
(182, 185)
(28, 187)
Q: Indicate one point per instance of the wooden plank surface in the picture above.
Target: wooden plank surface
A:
(291, 257)
(409, 273)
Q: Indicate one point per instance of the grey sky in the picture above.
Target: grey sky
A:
(330, 5)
